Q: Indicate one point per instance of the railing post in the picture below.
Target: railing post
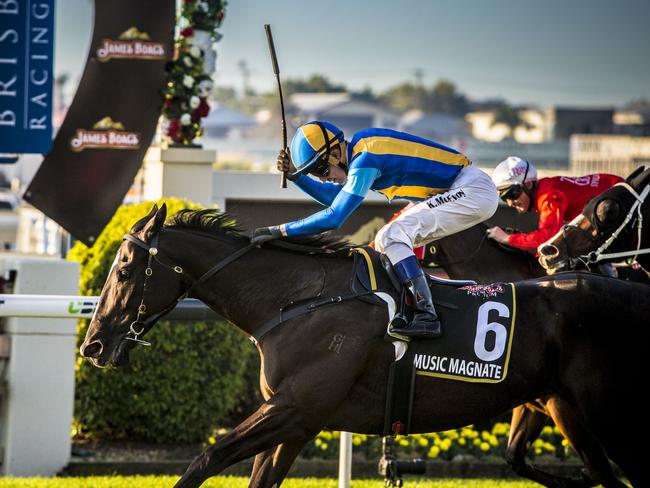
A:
(36, 410)
(345, 460)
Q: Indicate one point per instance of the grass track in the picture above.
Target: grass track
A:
(242, 482)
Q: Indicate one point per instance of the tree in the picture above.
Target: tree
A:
(404, 97)
(366, 94)
(316, 83)
(510, 117)
(444, 98)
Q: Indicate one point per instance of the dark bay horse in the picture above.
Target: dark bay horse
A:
(471, 255)
(564, 344)
(610, 228)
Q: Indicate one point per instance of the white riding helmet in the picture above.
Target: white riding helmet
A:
(513, 171)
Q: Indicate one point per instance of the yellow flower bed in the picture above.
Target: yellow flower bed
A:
(465, 442)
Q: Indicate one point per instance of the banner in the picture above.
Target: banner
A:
(109, 126)
(26, 48)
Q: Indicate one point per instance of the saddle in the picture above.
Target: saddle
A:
(372, 271)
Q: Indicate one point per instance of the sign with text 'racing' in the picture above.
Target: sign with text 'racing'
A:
(26, 47)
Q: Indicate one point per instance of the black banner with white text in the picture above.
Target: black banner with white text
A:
(112, 120)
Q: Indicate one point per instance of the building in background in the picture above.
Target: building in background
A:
(565, 122)
(632, 123)
(438, 127)
(615, 154)
(226, 122)
(535, 128)
(342, 110)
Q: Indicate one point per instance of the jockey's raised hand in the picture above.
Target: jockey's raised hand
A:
(284, 164)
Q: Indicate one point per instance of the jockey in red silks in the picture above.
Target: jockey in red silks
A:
(449, 195)
(558, 199)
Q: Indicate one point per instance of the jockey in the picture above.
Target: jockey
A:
(450, 192)
(557, 200)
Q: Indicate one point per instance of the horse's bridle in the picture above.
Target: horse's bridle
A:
(152, 249)
(597, 255)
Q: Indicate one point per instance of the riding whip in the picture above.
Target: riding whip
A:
(276, 70)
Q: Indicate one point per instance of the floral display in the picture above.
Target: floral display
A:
(189, 82)
(466, 443)
(463, 444)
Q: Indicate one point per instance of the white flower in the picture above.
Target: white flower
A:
(186, 119)
(203, 6)
(195, 51)
(205, 88)
(188, 81)
(187, 61)
(195, 101)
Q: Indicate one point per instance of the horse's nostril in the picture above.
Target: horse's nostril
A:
(91, 350)
(549, 250)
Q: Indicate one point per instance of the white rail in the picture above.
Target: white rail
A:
(80, 307)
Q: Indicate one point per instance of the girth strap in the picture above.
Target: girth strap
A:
(291, 311)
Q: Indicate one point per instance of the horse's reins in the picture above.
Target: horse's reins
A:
(597, 255)
(152, 249)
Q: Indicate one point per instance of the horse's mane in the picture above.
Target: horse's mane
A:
(222, 224)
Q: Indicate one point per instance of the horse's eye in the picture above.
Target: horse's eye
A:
(124, 274)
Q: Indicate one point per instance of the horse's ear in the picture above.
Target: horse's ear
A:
(635, 173)
(139, 225)
(155, 223)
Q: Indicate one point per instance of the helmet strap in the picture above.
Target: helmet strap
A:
(530, 192)
(331, 144)
(526, 190)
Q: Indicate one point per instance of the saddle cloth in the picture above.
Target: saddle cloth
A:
(478, 323)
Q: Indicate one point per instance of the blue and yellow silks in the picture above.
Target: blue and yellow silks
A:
(393, 163)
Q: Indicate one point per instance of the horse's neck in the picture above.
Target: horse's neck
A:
(252, 289)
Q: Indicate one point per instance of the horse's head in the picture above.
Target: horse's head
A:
(578, 240)
(139, 289)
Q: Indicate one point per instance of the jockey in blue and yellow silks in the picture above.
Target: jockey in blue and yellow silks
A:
(449, 193)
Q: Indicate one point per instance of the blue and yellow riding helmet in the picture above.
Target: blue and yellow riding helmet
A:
(313, 143)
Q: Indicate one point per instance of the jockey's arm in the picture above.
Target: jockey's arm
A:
(323, 193)
(346, 201)
(552, 207)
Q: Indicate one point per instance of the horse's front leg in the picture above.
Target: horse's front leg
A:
(275, 422)
(272, 465)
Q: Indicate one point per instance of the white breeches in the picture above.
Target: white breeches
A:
(471, 199)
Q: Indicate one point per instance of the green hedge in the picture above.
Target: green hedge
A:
(179, 389)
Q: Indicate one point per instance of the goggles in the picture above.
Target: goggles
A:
(321, 167)
(511, 193)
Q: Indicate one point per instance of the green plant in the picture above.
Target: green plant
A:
(179, 389)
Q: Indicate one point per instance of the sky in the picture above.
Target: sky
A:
(544, 53)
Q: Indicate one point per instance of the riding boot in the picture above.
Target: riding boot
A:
(425, 323)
